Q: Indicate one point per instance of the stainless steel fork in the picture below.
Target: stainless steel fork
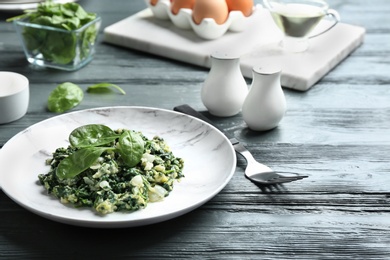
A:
(255, 171)
(260, 173)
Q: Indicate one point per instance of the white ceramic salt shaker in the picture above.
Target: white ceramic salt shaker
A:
(265, 104)
(225, 88)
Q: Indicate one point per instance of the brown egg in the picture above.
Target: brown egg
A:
(216, 9)
(153, 2)
(176, 5)
(245, 6)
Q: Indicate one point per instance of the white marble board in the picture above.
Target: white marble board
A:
(257, 44)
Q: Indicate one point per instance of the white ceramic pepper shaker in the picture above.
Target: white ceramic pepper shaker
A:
(265, 104)
(225, 88)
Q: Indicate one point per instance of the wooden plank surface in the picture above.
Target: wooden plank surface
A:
(338, 132)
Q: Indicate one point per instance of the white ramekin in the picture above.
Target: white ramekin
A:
(14, 96)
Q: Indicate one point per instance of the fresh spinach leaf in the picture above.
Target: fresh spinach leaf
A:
(92, 135)
(78, 162)
(131, 147)
(64, 97)
(104, 87)
(59, 46)
(88, 138)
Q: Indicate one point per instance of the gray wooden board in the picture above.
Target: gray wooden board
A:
(338, 133)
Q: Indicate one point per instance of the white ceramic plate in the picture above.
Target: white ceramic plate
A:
(18, 5)
(210, 162)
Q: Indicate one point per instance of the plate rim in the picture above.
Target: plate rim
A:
(119, 223)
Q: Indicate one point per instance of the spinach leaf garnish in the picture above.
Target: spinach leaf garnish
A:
(104, 87)
(64, 97)
(68, 95)
(92, 135)
(131, 147)
(78, 162)
(89, 139)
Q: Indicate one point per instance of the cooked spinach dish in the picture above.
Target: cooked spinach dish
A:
(111, 170)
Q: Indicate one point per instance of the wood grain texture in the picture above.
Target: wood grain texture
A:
(338, 133)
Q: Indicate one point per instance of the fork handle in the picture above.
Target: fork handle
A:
(239, 148)
(186, 109)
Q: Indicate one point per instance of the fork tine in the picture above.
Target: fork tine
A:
(284, 179)
(256, 168)
(292, 178)
(267, 178)
(299, 177)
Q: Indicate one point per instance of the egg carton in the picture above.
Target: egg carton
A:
(208, 29)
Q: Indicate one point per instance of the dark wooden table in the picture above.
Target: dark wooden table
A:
(337, 133)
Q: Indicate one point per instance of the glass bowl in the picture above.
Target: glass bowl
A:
(58, 48)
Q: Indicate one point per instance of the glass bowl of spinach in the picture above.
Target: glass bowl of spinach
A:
(55, 35)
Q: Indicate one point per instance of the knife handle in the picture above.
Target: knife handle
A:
(186, 109)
